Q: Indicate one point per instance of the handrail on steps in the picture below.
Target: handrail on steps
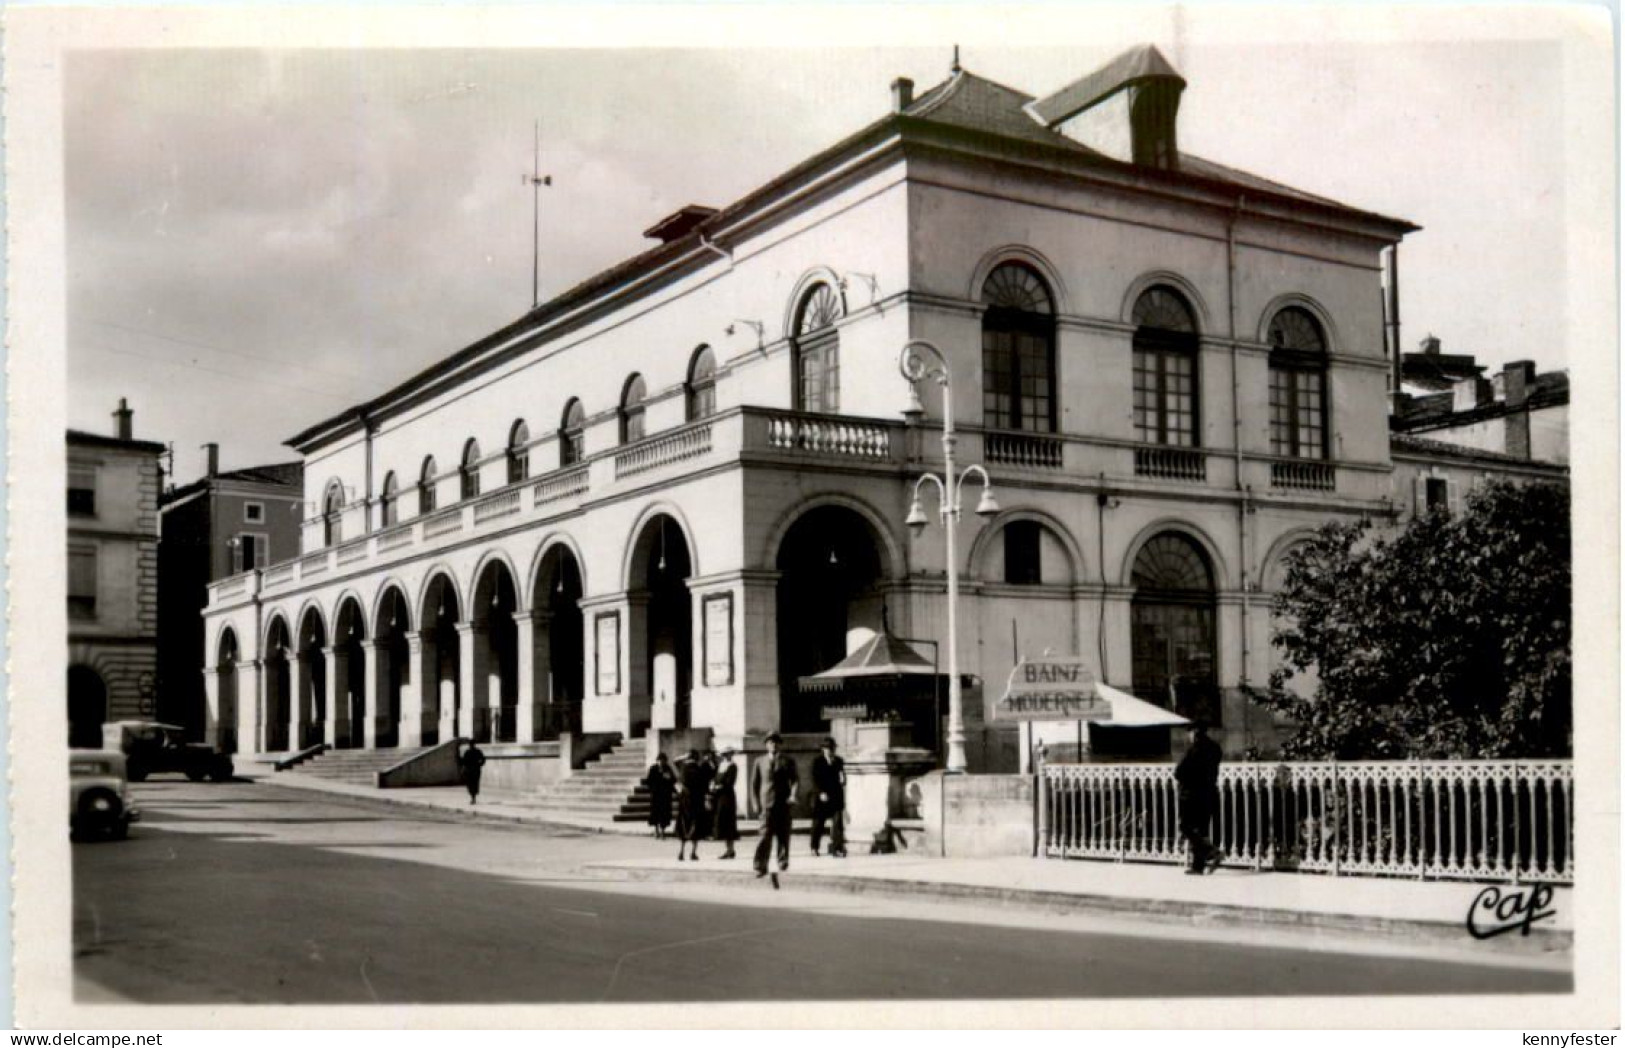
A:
(300, 757)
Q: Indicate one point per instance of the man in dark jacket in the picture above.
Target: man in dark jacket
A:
(773, 787)
(829, 780)
(472, 766)
(1197, 775)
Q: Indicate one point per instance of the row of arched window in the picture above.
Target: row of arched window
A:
(700, 398)
(1018, 366)
(1019, 389)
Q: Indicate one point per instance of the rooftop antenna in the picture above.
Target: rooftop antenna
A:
(536, 180)
(955, 67)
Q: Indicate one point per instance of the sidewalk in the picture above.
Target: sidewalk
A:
(1235, 895)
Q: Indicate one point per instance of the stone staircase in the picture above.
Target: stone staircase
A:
(608, 789)
(354, 767)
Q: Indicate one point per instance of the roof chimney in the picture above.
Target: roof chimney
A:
(902, 94)
(1518, 377)
(1127, 109)
(214, 458)
(124, 421)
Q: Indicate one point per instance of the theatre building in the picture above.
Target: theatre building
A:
(658, 500)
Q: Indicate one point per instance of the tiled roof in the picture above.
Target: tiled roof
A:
(288, 474)
(1400, 442)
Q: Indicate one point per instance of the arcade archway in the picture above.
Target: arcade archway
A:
(494, 649)
(311, 685)
(661, 623)
(556, 633)
(830, 601)
(350, 676)
(394, 665)
(278, 712)
(225, 724)
(442, 701)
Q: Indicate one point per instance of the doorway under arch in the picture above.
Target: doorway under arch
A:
(494, 641)
(556, 620)
(350, 675)
(311, 694)
(394, 665)
(225, 725)
(87, 707)
(278, 712)
(442, 701)
(829, 602)
(661, 624)
(1173, 627)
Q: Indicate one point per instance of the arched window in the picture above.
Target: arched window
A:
(1018, 350)
(1166, 395)
(468, 474)
(817, 348)
(632, 397)
(426, 486)
(1297, 385)
(701, 391)
(518, 452)
(389, 502)
(571, 432)
(1172, 628)
(333, 515)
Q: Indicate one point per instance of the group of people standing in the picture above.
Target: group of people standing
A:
(700, 792)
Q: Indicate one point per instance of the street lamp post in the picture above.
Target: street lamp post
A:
(922, 360)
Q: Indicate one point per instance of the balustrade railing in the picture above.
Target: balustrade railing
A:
(313, 564)
(276, 576)
(353, 552)
(559, 485)
(500, 504)
(443, 523)
(689, 442)
(1170, 464)
(1025, 450)
(395, 538)
(230, 587)
(1308, 476)
(829, 436)
(1463, 820)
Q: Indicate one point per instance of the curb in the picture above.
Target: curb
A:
(1166, 911)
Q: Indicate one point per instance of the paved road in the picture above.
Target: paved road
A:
(254, 893)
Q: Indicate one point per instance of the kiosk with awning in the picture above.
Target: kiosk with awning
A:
(885, 679)
(1064, 688)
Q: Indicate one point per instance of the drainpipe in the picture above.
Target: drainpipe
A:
(1244, 506)
(367, 430)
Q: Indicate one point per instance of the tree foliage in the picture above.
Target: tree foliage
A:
(1448, 639)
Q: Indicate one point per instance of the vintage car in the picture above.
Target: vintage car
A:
(153, 747)
(99, 795)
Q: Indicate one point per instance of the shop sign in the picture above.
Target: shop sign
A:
(1060, 688)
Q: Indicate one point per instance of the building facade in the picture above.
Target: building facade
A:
(113, 484)
(656, 501)
(222, 524)
(1517, 413)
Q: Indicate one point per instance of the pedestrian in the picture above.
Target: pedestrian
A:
(693, 780)
(829, 779)
(773, 786)
(724, 804)
(1197, 775)
(661, 782)
(471, 765)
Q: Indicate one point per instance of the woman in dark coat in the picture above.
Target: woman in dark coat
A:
(724, 803)
(472, 765)
(661, 782)
(694, 780)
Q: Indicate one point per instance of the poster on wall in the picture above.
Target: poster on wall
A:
(607, 652)
(717, 614)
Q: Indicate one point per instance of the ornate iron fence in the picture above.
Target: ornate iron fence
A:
(1464, 820)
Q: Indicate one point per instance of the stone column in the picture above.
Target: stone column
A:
(211, 706)
(413, 705)
(299, 701)
(527, 656)
(605, 712)
(757, 621)
(336, 687)
(473, 655)
(375, 659)
(250, 704)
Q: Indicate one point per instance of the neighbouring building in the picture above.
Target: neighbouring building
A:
(223, 523)
(1517, 413)
(112, 583)
(649, 506)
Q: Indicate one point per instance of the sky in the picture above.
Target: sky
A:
(258, 239)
